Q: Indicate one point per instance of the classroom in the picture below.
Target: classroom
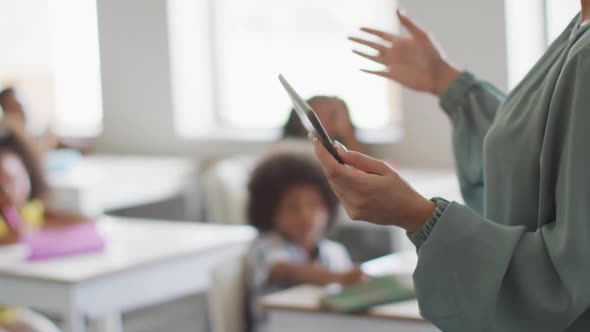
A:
(294, 165)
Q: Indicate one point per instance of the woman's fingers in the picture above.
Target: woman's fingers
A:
(365, 163)
(376, 72)
(375, 58)
(382, 34)
(409, 24)
(330, 166)
(370, 44)
(337, 174)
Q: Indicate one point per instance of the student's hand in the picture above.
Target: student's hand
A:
(415, 61)
(11, 236)
(57, 219)
(352, 277)
(373, 191)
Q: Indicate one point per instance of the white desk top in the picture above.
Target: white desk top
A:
(307, 298)
(399, 263)
(130, 243)
(112, 182)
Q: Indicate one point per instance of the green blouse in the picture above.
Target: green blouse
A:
(517, 257)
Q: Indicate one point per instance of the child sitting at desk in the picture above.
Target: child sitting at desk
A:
(292, 206)
(22, 186)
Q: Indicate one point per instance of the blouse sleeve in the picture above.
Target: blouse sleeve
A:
(471, 105)
(477, 275)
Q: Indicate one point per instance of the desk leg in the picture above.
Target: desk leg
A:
(191, 198)
(74, 322)
(109, 323)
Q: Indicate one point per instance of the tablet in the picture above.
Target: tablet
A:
(310, 120)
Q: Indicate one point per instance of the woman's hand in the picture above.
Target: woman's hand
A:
(415, 61)
(372, 191)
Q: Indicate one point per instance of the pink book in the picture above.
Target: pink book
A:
(64, 241)
(56, 242)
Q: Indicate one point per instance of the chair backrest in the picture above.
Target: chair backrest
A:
(226, 190)
(227, 296)
(226, 183)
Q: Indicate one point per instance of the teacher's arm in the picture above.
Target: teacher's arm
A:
(418, 62)
(474, 274)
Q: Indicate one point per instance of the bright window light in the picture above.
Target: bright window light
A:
(244, 45)
(526, 39)
(559, 15)
(306, 41)
(76, 67)
(191, 74)
(528, 36)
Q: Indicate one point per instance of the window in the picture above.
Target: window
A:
(528, 36)
(559, 14)
(50, 55)
(190, 66)
(525, 37)
(76, 67)
(251, 42)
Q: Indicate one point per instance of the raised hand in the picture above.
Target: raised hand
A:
(415, 60)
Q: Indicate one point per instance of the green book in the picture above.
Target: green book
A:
(377, 291)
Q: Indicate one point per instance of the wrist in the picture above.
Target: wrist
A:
(421, 212)
(423, 233)
(443, 77)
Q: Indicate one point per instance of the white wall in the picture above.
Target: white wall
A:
(136, 84)
(136, 79)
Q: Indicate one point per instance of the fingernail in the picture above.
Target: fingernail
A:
(340, 146)
(402, 11)
(310, 136)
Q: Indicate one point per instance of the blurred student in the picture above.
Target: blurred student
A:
(334, 115)
(14, 113)
(23, 186)
(292, 206)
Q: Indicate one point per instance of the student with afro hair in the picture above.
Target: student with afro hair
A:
(292, 206)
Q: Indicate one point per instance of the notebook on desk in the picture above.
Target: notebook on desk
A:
(57, 242)
(377, 291)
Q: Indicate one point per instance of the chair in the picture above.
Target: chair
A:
(226, 190)
(227, 296)
(225, 183)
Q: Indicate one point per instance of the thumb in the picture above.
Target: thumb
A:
(362, 162)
